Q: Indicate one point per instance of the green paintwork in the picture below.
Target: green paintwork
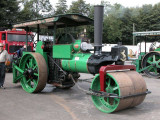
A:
(104, 104)
(19, 70)
(158, 49)
(17, 73)
(78, 63)
(151, 61)
(153, 64)
(138, 61)
(27, 62)
(142, 53)
(77, 45)
(62, 51)
(40, 50)
(14, 73)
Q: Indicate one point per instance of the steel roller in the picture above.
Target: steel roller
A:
(121, 83)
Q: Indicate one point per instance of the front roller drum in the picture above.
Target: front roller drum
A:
(35, 74)
(122, 84)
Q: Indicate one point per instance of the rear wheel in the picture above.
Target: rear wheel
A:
(35, 72)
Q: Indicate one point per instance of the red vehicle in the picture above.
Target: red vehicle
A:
(13, 40)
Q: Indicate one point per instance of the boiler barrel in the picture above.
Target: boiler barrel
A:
(77, 64)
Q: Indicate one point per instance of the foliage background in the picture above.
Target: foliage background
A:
(118, 20)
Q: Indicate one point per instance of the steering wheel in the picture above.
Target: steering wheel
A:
(65, 38)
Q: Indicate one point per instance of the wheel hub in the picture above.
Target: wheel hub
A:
(109, 90)
(29, 73)
(154, 64)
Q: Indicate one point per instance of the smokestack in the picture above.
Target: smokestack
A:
(98, 28)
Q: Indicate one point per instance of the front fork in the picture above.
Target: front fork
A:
(107, 68)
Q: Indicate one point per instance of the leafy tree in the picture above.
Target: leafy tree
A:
(112, 24)
(26, 13)
(35, 9)
(8, 12)
(111, 30)
(80, 7)
(127, 26)
(61, 7)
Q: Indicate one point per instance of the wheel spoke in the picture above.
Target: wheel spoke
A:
(108, 100)
(116, 99)
(35, 82)
(154, 58)
(149, 69)
(36, 74)
(27, 65)
(155, 70)
(109, 82)
(29, 82)
(148, 61)
(31, 62)
(19, 77)
(115, 88)
(115, 102)
(35, 67)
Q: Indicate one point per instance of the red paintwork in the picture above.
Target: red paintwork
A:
(76, 46)
(20, 43)
(42, 46)
(104, 69)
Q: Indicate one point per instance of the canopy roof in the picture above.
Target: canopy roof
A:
(147, 33)
(66, 20)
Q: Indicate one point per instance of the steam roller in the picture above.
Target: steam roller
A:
(115, 87)
(151, 64)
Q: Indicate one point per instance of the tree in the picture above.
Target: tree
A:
(79, 7)
(112, 24)
(61, 7)
(127, 26)
(35, 8)
(111, 30)
(8, 12)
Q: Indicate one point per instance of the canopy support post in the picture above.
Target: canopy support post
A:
(38, 32)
